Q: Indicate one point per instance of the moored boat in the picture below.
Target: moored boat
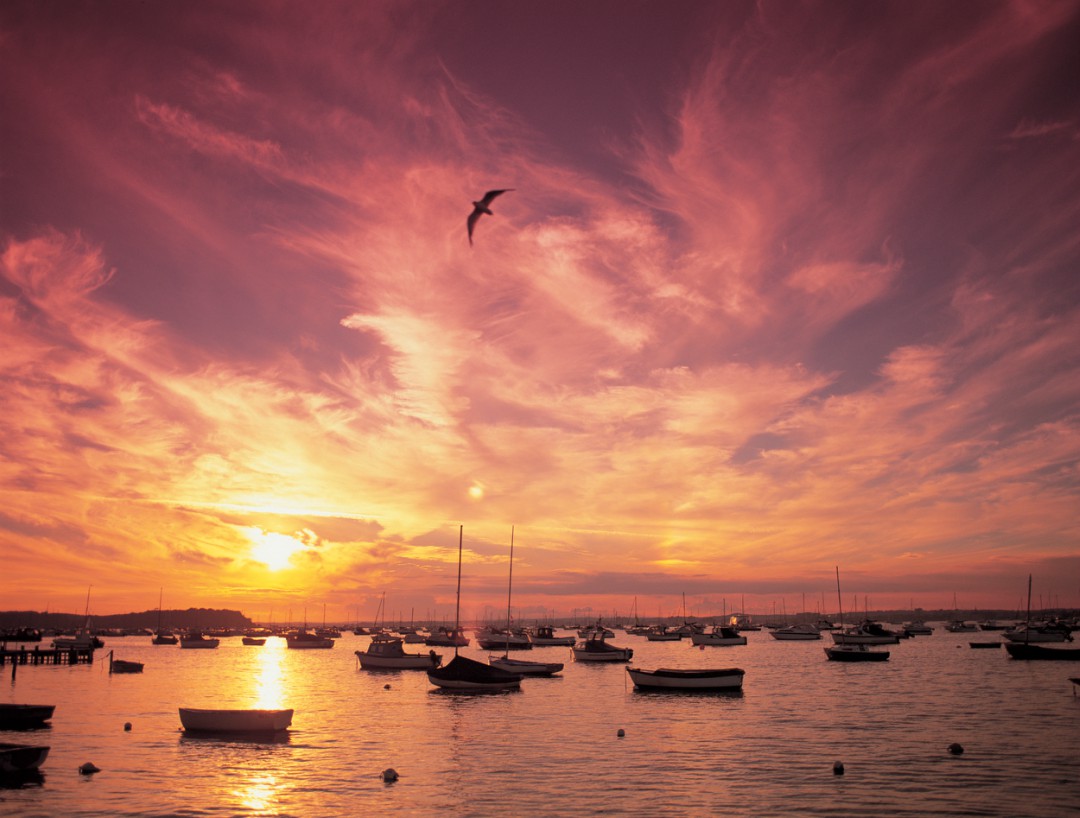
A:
(545, 637)
(387, 653)
(80, 641)
(306, 640)
(960, 626)
(195, 640)
(1018, 650)
(123, 665)
(721, 635)
(447, 638)
(985, 645)
(21, 758)
(595, 649)
(796, 633)
(25, 716)
(525, 667)
(235, 721)
(868, 633)
(855, 653)
(469, 676)
(464, 675)
(253, 641)
(1027, 634)
(679, 679)
(918, 628)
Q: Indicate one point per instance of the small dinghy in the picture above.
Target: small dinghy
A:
(729, 678)
(855, 653)
(526, 667)
(235, 721)
(21, 758)
(25, 716)
(123, 665)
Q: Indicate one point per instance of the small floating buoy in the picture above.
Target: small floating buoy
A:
(127, 726)
(621, 733)
(389, 775)
(838, 768)
(956, 749)
(386, 687)
(89, 768)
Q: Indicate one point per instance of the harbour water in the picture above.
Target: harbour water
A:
(553, 747)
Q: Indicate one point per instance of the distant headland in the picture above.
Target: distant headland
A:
(201, 618)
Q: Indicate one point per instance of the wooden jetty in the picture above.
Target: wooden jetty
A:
(46, 656)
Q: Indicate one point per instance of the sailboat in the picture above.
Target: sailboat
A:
(522, 666)
(466, 675)
(162, 637)
(850, 652)
(83, 639)
(1026, 650)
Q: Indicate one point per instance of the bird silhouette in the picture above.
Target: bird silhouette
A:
(483, 206)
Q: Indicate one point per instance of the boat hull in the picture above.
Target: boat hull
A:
(235, 721)
(1022, 637)
(124, 666)
(718, 641)
(616, 655)
(864, 639)
(671, 679)
(469, 676)
(199, 644)
(527, 668)
(1018, 650)
(24, 716)
(417, 661)
(856, 653)
(794, 637)
(21, 758)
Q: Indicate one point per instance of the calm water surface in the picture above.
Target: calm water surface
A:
(552, 748)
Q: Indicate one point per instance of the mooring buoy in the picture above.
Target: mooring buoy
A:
(621, 733)
(956, 749)
(89, 768)
(838, 768)
(127, 726)
(390, 775)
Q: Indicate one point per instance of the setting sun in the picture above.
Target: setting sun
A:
(272, 549)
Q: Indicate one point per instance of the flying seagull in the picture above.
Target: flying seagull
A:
(482, 207)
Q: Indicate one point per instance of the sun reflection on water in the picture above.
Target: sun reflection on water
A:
(261, 793)
(270, 681)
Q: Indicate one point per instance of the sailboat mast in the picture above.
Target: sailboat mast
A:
(509, 592)
(839, 601)
(457, 606)
(1027, 624)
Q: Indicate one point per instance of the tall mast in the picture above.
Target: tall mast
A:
(509, 590)
(839, 601)
(457, 607)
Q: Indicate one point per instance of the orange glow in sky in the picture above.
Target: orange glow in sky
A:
(777, 289)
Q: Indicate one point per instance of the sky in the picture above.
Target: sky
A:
(780, 289)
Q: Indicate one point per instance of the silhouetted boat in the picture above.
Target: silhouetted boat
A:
(523, 666)
(387, 653)
(1039, 633)
(595, 649)
(306, 640)
(867, 633)
(467, 675)
(526, 667)
(24, 716)
(545, 637)
(123, 665)
(1018, 650)
(720, 635)
(197, 641)
(677, 679)
(853, 651)
(21, 758)
(235, 721)
(985, 645)
(796, 633)
(253, 641)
